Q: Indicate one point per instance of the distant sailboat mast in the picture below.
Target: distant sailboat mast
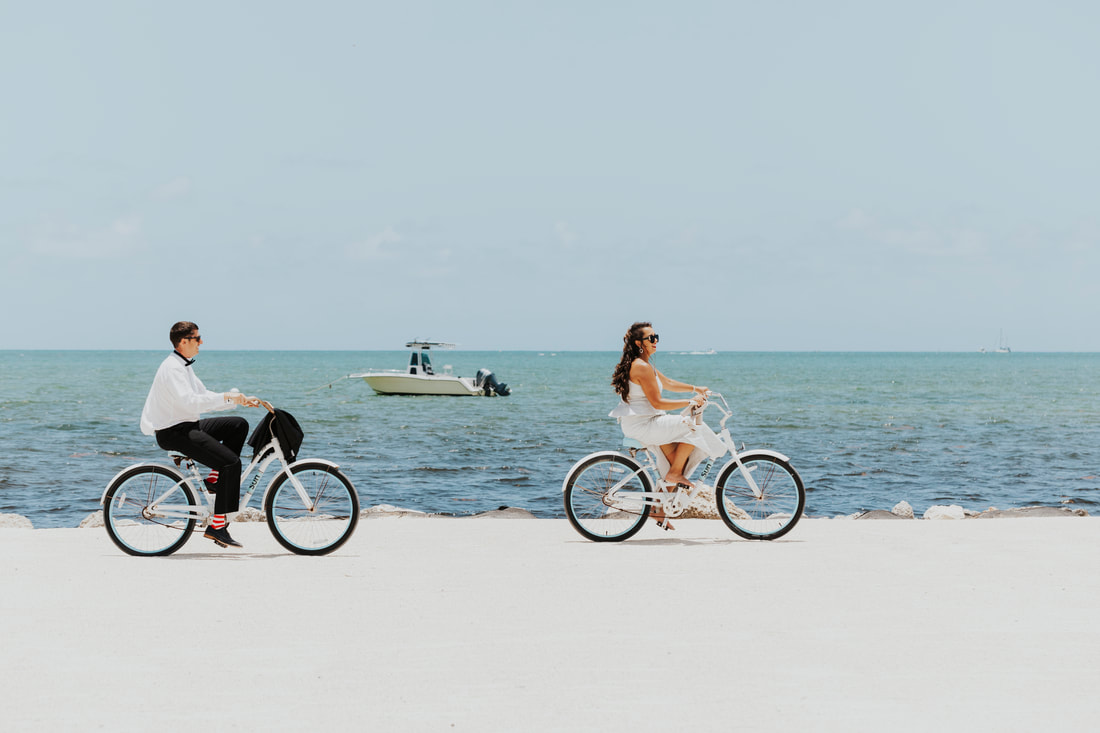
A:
(1002, 345)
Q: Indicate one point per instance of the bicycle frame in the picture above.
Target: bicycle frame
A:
(202, 511)
(676, 501)
(724, 436)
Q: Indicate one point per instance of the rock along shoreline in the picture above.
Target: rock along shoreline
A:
(698, 510)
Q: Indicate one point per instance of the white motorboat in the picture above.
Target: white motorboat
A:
(420, 378)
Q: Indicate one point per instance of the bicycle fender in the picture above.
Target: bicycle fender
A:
(761, 452)
(589, 457)
(300, 461)
(132, 466)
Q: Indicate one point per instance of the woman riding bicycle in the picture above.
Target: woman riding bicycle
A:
(641, 415)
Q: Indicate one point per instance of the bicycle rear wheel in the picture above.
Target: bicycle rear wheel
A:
(598, 515)
(770, 515)
(149, 510)
(323, 521)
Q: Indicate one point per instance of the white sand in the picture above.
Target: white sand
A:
(513, 625)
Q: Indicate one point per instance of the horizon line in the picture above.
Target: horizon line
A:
(676, 352)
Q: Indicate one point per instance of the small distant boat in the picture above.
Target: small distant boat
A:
(1001, 348)
(421, 379)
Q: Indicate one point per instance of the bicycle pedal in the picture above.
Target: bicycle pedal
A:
(219, 543)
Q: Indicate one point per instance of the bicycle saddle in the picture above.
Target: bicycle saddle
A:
(177, 458)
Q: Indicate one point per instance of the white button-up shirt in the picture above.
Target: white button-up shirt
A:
(177, 395)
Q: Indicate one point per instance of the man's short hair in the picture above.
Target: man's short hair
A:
(180, 331)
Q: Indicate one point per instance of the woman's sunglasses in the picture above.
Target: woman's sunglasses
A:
(652, 338)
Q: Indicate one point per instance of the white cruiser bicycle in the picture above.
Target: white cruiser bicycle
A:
(609, 495)
(152, 508)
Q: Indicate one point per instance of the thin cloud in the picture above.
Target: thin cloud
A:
(378, 246)
(921, 241)
(390, 246)
(688, 238)
(176, 188)
(121, 237)
(566, 236)
(1084, 239)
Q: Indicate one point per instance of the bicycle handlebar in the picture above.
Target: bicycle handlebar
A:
(257, 402)
(724, 408)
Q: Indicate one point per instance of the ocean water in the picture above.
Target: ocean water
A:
(865, 430)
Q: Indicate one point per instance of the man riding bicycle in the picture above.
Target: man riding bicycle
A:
(172, 414)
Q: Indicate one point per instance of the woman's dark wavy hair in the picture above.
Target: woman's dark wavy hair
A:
(620, 380)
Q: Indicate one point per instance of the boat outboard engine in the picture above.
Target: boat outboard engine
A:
(489, 384)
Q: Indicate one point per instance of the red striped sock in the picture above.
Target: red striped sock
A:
(218, 521)
(213, 477)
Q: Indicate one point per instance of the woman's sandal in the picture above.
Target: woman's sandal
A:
(663, 523)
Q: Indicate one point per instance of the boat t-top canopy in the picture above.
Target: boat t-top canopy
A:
(428, 345)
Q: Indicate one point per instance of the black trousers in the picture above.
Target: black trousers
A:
(215, 442)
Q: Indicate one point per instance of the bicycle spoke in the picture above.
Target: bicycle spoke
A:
(130, 515)
(323, 524)
(768, 515)
(598, 498)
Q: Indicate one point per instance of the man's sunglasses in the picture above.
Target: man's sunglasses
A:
(652, 338)
(192, 338)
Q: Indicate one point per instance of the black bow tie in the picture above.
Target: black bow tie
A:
(186, 361)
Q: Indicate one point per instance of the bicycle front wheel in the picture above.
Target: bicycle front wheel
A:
(603, 497)
(149, 510)
(775, 511)
(321, 520)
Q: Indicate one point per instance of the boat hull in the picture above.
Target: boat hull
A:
(427, 384)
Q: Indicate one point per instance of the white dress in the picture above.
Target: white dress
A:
(643, 422)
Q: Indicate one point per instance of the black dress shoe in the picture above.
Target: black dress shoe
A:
(221, 537)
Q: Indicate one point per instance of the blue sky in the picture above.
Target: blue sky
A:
(517, 175)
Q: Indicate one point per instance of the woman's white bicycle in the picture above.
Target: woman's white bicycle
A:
(609, 495)
(152, 508)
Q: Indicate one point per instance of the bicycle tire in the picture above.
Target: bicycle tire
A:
(586, 502)
(771, 515)
(324, 527)
(135, 527)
